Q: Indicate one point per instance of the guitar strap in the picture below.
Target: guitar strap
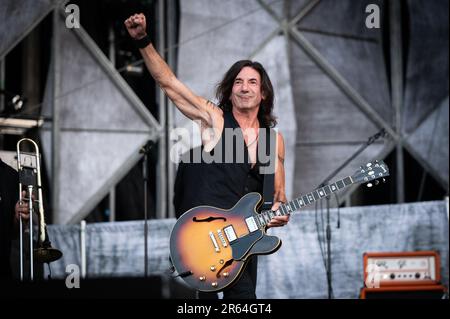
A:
(269, 169)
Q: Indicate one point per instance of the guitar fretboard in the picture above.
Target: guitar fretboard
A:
(286, 209)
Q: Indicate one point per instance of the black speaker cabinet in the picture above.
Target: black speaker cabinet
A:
(152, 287)
(405, 292)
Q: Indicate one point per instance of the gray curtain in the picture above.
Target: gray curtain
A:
(296, 270)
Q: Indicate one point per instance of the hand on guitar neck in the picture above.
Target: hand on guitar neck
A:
(278, 221)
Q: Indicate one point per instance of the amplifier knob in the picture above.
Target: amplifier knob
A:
(417, 275)
(392, 276)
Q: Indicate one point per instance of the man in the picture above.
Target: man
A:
(245, 103)
(10, 211)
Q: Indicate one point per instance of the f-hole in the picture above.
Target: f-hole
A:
(207, 220)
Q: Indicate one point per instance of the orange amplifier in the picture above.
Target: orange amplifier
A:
(387, 269)
(405, 292)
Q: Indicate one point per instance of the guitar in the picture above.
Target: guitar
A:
(209, 246)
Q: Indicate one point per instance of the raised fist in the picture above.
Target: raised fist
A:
(136, 26)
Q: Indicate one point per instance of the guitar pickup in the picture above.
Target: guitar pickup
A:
(230, 233)
(251, 224)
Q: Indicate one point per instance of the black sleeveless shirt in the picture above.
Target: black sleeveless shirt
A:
(217, 183)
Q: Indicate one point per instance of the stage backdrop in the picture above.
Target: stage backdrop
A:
(296, 270)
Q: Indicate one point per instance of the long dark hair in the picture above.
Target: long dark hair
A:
(225, 87)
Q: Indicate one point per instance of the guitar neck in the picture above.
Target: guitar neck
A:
(302, 201)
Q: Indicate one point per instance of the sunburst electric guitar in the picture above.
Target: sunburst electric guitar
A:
(209, 246)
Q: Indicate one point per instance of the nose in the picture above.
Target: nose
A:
(244, 87)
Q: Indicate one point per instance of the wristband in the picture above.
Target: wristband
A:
(143, 42)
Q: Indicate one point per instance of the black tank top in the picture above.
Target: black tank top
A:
(217, 183)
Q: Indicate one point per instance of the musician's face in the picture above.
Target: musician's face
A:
(246, 93)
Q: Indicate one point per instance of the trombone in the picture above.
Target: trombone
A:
(28, 164)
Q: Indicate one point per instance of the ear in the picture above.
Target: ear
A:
(263, 95)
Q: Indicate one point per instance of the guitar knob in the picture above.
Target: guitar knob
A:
(212, 268)
(202, 278)
(383, 180)
(369, 185)
(214, 284)
(225, 274)
(377, 182)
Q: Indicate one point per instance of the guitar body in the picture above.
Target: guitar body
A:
(210, 247)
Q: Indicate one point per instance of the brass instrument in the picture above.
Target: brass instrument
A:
(28, 164)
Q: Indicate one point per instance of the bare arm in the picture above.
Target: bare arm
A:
(280, 184)
(191, 105)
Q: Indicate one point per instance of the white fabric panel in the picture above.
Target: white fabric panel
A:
(17, 18)
(430, 141)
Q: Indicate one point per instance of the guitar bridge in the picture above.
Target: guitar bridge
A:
(222, 239)
(213, 239)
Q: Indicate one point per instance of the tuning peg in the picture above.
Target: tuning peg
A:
(369, 185)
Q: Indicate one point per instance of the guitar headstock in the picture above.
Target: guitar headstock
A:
(372, 171)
